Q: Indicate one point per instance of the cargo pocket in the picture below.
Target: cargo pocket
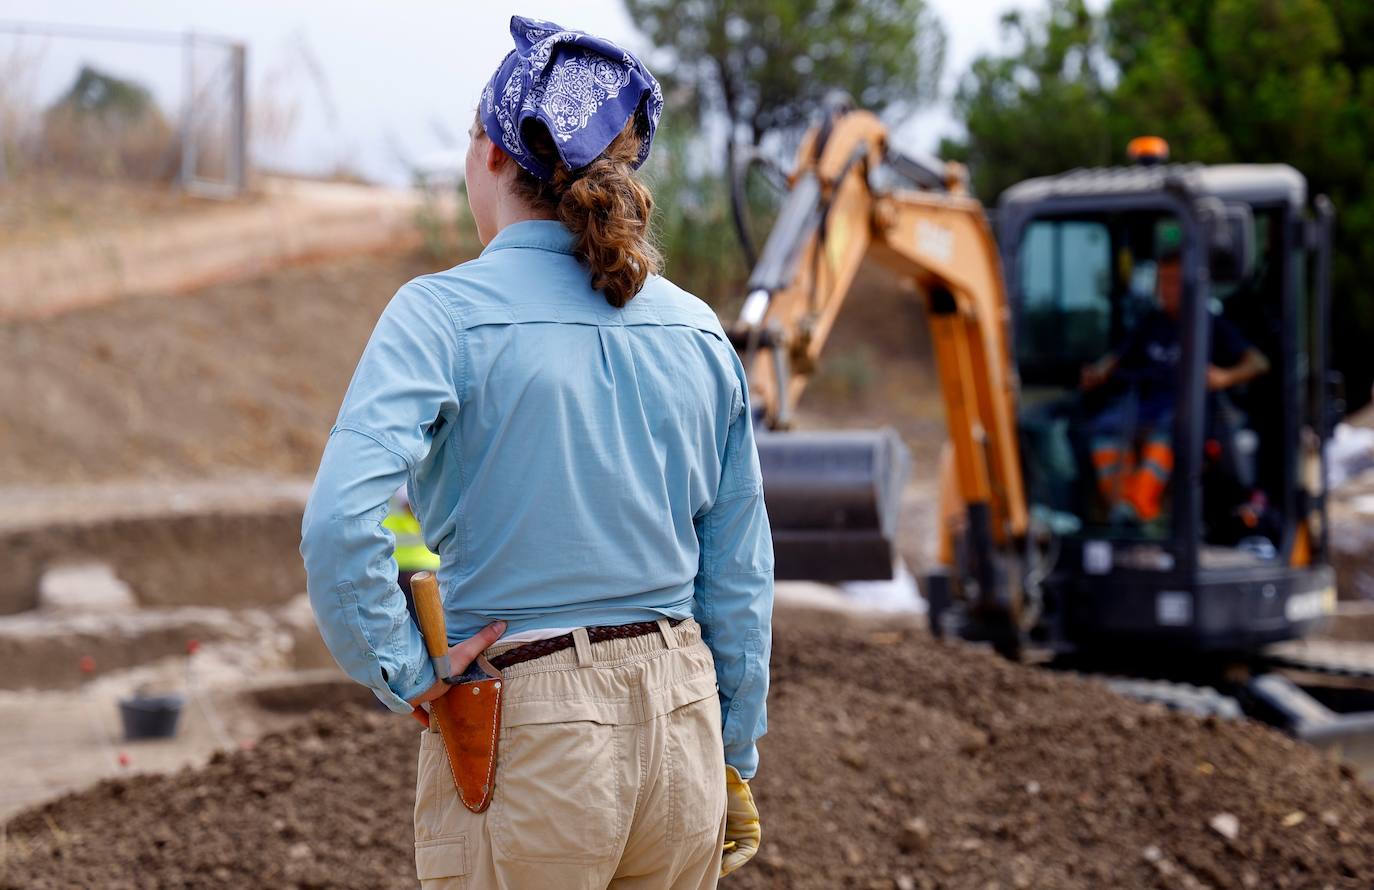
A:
(443, 826)
(424, 789)
(442, 863)
(438, 811)
(433, 789)
(695, 761)
(557, 794)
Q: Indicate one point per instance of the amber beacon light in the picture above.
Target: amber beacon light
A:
(1147, 150)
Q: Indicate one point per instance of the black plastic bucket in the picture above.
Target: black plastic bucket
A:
(150, 716)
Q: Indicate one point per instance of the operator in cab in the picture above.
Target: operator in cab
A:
(1132, 480)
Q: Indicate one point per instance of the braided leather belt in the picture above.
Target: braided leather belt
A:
(539, 648)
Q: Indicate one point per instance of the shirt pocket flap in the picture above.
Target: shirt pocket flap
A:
(443, 857)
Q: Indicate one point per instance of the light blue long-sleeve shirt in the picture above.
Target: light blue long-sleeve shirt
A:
(570, 462)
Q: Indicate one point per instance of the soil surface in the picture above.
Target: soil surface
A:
(238, 377)
(248, 376)
(891, 762)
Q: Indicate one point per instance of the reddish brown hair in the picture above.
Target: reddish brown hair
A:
(604, 205)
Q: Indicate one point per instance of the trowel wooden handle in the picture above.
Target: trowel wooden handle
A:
(429, 608)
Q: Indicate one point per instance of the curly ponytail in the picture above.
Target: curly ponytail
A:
(604, 205)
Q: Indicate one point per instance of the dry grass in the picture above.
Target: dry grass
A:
(43, 205)
(19, 119)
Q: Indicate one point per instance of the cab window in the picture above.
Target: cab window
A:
(1065, 272)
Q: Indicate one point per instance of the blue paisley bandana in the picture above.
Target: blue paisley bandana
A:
(583, 88)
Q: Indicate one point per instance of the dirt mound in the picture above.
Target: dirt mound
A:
(891, 761)
(960, 770)
(249, 375)
(242, 376)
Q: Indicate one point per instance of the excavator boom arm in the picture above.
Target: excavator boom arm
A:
(831, 219)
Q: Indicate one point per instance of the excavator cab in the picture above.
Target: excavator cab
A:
(1169, 330)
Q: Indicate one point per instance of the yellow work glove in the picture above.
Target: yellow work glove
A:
(742, 832)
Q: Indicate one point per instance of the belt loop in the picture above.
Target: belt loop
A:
(584, 647)
(669, 633)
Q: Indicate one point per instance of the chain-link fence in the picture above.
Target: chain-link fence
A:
(125, 104)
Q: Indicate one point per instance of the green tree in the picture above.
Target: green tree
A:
(1248, 81)
(1041, 107)
(763, 68)
(766, 65)
(1258, 81)
(108, 126)
(1240, 80)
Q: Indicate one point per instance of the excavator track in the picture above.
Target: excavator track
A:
(1176, 695)
(1337, 658)
(1202, 701)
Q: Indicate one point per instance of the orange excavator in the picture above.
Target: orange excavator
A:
(833, 496)
(1151, 274)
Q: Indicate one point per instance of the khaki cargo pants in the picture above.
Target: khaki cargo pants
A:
(610, 775)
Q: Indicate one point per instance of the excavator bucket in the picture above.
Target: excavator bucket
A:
(833, 500)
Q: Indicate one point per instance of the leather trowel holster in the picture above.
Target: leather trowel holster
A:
(468, 716)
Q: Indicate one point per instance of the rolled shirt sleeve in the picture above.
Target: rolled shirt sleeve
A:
(734, 589)
(405, 385)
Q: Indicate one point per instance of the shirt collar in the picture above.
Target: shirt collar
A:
(542, 234)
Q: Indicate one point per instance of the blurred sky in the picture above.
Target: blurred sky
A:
(368, 85)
